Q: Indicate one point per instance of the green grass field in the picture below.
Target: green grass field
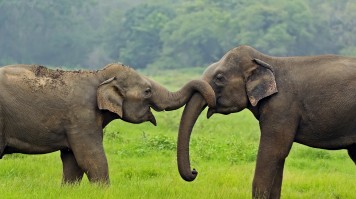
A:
(142, 163)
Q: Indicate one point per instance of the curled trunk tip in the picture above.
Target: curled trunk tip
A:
(184, 165)
(190, 177)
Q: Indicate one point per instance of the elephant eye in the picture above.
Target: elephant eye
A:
(148, 92)
(219, 79)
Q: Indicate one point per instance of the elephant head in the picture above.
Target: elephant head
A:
(240, 80)
(131, 96)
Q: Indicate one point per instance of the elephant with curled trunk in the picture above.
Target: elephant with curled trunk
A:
(309, 100)
(44, 110)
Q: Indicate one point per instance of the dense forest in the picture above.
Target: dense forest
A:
(169, 33)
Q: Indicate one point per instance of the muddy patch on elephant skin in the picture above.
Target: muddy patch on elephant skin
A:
(41, 71)
(45, 78)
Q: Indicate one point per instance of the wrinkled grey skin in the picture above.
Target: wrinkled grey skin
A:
(309, 100)
(43, 111)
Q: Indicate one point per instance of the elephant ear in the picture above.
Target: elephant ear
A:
(110, 97)
(261, 82)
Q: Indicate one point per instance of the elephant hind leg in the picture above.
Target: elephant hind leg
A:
(352, 152)
(72, 173)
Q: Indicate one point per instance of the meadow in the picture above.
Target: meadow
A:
(142, 162)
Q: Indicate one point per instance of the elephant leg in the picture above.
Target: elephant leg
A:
(275, 144)
(72, 173)
(2, 137)
(267, 181)
(352, 152)
(277, 181)
(89, 153)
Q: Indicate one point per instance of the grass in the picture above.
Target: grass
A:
(142, 164)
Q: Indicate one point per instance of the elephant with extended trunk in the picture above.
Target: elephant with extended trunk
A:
(44, 110)
(309, 100)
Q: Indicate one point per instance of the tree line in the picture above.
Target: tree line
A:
(159, 34)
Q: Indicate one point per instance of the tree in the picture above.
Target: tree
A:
(70, 33)
(140, 39)
(193, 37)
(283, 28)
(347, 29)
(44, 32)
(169, 33)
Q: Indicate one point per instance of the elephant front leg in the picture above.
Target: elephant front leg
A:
(267, 181)
(72, 173)
(95, 166)
(352, 152)
(89, 154)
(274, 148)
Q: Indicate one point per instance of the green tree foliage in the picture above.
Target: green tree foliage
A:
(60, 33)
(193, 38)
(347, 28)
(281, 28)
(140, 41)
(27, 35)
(170, 33)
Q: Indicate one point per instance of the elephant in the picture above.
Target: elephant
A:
(45, 110)
(309, 100)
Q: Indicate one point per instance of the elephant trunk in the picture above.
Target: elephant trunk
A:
(165, 100)
(190, 115)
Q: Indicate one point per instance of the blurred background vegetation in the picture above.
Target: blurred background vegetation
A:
(179, 35)
(159, 34)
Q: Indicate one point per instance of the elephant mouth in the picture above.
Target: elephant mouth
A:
(151, 117)
(210, 112)
(222, 110)
(156, 108)
(146, 116)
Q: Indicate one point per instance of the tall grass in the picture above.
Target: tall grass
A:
(142, 164)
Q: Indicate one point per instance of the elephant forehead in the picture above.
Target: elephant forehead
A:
(134, 78)
(133, 92)
(131, 79)
(137, 87)
(211, 70)
(140, 82)
(222, 68)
